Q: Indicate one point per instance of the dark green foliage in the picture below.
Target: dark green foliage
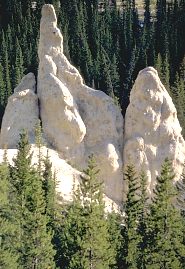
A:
(35, 247)
(18, 67)
(115, 222)
(178, 95)
(143, 217)
(132, 207)
(6, 67)
(81, 245)
(48, 186)
(2, 86)
(165, 248)
(8, 224)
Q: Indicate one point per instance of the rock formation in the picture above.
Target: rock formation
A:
(21, 113)
(78, 121)
(152, 130)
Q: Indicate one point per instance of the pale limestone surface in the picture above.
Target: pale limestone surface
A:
(21, 113)
(77, 120)
(152, 130)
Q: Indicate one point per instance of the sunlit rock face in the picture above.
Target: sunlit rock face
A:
(77, 121)
(21, 112)
(152, 130)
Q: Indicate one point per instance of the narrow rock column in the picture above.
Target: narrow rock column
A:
(77, 121)
(21, 113)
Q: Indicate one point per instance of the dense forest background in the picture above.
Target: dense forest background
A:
(109, 46)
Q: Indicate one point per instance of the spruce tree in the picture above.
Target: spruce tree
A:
(36, 250)
(2, 86)
(178, 96)
(115, 223)
(8, 224)
(4, 59)
(84, 236)
(39, 144)
(165, 248)
(18, 66)
(132, 237)
(142, 222)
(48, 186)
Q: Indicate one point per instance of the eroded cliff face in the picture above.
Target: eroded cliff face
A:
(152, 130)
(78, 121)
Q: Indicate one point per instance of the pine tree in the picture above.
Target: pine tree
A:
(115, 222)
(8, 224)
(181, 205)
(105, 82)
(48, 186)
(2, 86)
(18, 66)
(84, 235)
(165, 248)
(142, 222)
(5, 63)
(178, 96)
(39, 144)
(132, 237)
(36, 250)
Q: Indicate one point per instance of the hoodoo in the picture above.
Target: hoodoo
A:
(152, 130)
(78, 121)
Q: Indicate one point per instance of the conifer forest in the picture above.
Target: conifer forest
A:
(109, 45)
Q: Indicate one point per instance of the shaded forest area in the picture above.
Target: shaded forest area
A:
(109, 46)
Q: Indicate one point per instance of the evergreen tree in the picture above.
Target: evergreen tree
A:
(105, 82)
(132, 237)
(142, 223)
(2, 86)
(8, 224)
(39, 144)
(36, 250)
(165, 249)
(49, 191)
(115, 222)
(5, 63)
(178, 95)
(18, 67)
(84, 235)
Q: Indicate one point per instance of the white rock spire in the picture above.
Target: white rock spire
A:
(152, 130)
(77, 120)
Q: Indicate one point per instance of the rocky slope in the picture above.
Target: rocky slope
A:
(78, 121)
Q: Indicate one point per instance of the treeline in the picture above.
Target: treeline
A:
(109, 46)
(38, 230)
